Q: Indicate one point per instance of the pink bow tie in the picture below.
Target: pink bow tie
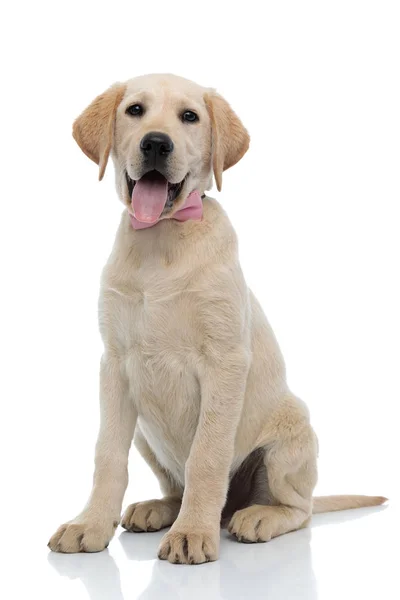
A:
(192, 209)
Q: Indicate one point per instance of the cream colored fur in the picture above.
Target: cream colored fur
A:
(191, 366)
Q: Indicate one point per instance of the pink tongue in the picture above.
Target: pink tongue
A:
(149, 197)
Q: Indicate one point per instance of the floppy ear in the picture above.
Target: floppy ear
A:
(93, 130)
(230, 140)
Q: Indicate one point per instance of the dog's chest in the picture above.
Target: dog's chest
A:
(151, 325)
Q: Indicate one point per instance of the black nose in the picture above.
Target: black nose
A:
(155, 144)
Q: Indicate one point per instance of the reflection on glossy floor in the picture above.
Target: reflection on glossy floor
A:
(343, 555)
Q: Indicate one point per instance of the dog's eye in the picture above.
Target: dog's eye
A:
(136, 110)
(189, 116)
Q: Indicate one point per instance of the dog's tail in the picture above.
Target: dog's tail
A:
(323, 504)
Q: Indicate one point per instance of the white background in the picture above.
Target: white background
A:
(315, 203)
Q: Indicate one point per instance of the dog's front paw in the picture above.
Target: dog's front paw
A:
(82, 536)
(191, 547)
(151, 515)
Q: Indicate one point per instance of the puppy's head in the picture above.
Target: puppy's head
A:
(167, 136)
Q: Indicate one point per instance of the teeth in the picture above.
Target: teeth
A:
(130, 182)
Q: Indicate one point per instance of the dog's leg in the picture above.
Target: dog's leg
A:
(290, 462)
(92, 530)
(153, 515)
(194, 537)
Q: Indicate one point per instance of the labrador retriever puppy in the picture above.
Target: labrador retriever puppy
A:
(191, 368)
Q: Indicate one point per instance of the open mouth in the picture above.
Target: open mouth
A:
(152, 195)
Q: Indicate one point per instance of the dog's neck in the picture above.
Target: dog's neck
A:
(171, 242)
